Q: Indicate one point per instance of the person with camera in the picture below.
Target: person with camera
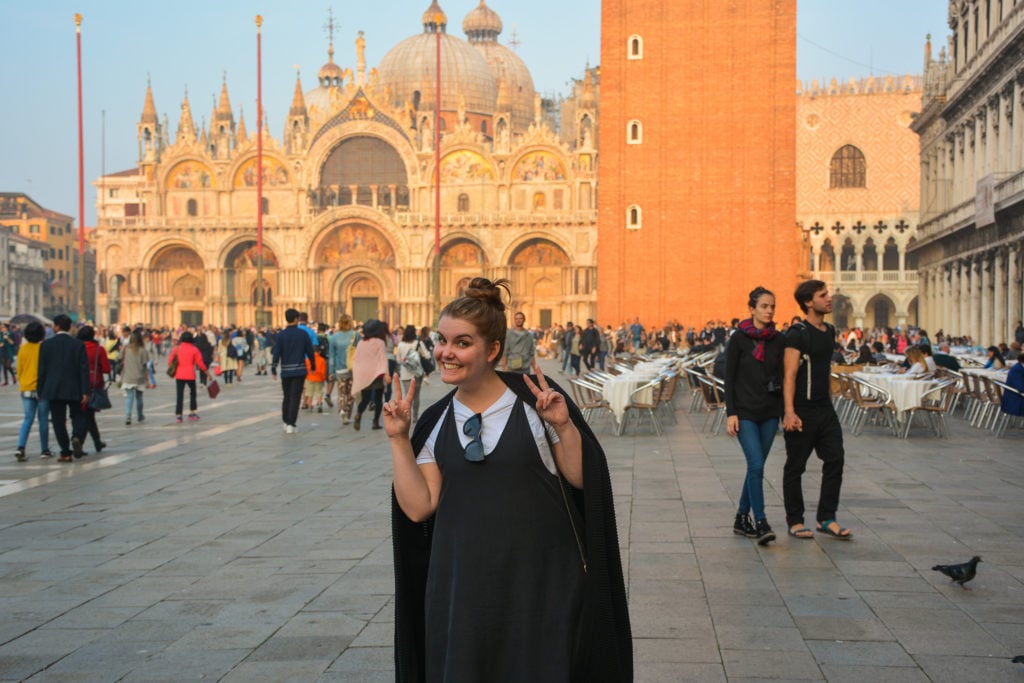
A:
(753, 400)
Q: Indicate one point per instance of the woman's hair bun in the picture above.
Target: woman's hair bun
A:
(489, 292)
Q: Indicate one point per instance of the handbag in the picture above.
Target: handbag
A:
(98, 397)
(99, 400)
(213, 388)
(172, 366)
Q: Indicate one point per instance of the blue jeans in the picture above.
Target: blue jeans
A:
(131, 396)
(33, 407)
(756, 440)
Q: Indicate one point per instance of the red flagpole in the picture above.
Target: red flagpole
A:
(437, 143)
(81, 178)
(259, 166)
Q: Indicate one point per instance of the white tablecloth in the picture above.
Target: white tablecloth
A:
(618, 388)
(906, 392)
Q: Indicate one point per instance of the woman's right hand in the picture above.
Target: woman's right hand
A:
(732, 425)
(398, 411)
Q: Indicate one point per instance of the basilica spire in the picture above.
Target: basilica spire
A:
(222, 125)
(149, 130)
(434, 19)
(186, 126)
(241, 136)
(296, 131)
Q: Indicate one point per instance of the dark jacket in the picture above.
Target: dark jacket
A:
(63, 369)
(746, 378)
(590, 340)
(291, 349)
(605, 633)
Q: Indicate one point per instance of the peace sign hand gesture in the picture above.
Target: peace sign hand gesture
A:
(398, 411)
(551, 404)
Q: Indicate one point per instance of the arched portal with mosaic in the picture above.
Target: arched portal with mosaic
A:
(240, 280)
(177, 284)
(461, 261)
(880, 311)
(541, 272)
(352, 247)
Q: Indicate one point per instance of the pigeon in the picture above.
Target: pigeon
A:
(960, 573)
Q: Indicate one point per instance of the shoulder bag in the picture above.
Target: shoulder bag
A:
(98, 398)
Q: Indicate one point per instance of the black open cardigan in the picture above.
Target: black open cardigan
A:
(607, 640)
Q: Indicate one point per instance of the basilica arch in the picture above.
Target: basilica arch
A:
(237, 278)
(176, 284)
(352, 268)
(541, 276)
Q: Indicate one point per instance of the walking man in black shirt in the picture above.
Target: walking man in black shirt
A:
(810, 420)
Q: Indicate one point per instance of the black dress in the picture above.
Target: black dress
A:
(505, 582)
(605, 649)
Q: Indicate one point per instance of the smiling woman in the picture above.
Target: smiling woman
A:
(503, 521)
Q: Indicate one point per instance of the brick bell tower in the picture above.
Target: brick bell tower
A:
(697, 201)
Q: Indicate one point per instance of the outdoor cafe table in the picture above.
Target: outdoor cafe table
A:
(906, 392)
(618, 388)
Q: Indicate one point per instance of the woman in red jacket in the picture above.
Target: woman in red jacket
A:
(188, 358)
(99, 368)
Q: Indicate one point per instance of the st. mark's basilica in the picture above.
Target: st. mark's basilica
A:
(348, 193)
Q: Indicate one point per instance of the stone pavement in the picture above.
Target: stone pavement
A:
(227, 550)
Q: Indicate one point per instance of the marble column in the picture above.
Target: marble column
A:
(976, 298)
(1013, 285)
(999, 299)
(986, 334)
(964, 280)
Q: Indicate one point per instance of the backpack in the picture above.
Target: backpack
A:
(232, 350)
(412, 361)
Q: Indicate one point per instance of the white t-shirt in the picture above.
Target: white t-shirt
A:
(493, 421)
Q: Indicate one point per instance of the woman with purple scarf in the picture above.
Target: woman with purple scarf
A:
(753, 400)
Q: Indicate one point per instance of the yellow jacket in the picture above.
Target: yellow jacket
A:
(28, 365)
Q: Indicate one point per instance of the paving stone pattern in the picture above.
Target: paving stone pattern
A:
(228, 550)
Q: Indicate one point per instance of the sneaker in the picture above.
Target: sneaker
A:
(192, 417)
(765, 535)
(178, 419)
(128, 422)
(19, 454)
(46, 454)
(141, 419)
(329, 400)
(290, 429)
(319, 409)
(743, 527)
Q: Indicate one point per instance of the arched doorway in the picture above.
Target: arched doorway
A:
(179, 285)
(353, 248)
(363, 170)
(842, 311)
(538, 272)
(881, 312)
(242, 292)
(461, 261)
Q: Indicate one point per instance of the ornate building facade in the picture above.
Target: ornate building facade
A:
(348, 197)
(970, 245)
(857, 195)
(698, 158)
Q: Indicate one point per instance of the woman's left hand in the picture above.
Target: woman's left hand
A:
(551, 404)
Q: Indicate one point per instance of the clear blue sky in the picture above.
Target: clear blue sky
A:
(191, 43)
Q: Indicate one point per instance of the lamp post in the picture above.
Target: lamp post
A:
(81, 178)
(261, 300)
(435, 279)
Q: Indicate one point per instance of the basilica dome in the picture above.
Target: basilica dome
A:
(408, 69)
(515, 84)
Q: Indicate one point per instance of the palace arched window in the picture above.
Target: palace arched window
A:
(634, 132)
(635, 47)
(848, 168)
(463, 203)
(192, 207)
(634, 217)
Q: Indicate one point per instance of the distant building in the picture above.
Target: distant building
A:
(56, 231)
(857, 195)
(348, 206)
(697, 198)
(23, 274)
(970, 243)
